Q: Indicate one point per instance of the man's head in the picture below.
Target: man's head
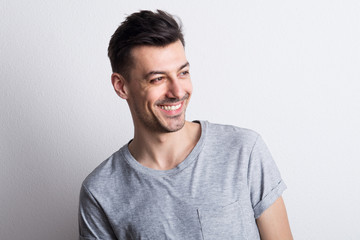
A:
(144, 28)
(151, 72)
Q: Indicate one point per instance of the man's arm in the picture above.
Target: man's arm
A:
(273, 223)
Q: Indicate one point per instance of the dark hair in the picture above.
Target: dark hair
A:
(142, 28)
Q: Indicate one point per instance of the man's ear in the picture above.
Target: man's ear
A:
(120, 85)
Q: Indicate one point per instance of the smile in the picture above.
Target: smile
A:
(170, 108)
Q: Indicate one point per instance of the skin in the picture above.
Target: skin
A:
(273, 223)
(160, 79)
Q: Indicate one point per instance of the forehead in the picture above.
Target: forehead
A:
(150, 58)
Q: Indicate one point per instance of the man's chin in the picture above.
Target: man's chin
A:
(174, 124)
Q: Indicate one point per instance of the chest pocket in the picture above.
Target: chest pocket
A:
(228, 222)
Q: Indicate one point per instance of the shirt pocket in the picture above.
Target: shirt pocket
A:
(227, 222)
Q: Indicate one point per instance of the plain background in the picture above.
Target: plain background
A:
(288, 69)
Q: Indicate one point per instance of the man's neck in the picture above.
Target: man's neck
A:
(164, 151)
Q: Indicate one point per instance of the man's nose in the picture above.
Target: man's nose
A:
(175, 89)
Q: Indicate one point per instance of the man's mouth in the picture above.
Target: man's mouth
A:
(170, 108)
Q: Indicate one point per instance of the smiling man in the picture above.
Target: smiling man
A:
(176, 179)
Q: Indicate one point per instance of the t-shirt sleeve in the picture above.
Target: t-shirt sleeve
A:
(93, 223)
(264, 178)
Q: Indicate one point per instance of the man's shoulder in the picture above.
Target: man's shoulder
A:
(107, 170)
(228, 132)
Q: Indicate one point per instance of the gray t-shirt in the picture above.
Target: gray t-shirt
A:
(217, 192)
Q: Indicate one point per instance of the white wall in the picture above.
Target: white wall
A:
(287, 69)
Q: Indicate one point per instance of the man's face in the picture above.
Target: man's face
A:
(159, 87)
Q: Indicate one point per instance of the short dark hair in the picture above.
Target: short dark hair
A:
(142, 28)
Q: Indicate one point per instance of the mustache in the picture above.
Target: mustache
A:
(172, 100)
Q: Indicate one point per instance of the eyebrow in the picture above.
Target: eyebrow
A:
(162, 72)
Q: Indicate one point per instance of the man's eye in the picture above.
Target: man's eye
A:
(158, 79)
(184, 73)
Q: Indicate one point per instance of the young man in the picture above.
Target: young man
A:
(176, 179)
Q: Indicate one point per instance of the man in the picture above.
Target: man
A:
(176, 179)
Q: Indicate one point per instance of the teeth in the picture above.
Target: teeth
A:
(171, 108)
